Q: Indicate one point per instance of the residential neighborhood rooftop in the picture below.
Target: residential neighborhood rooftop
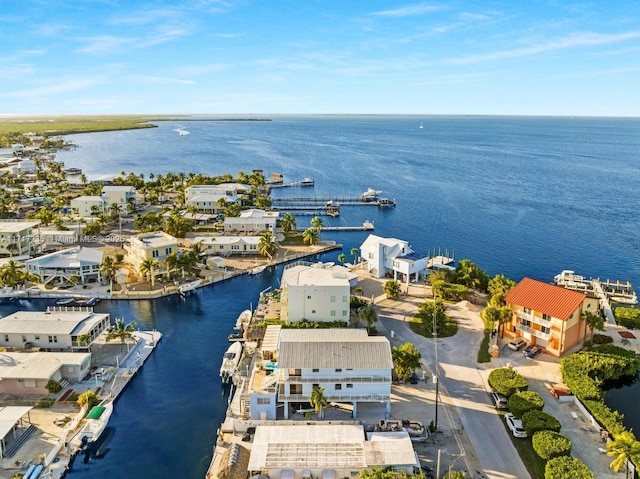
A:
(545, 298)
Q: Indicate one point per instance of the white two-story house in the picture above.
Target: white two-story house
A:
(88, 206)
(352, 367)
(392, 257)
(253, 221)
(121, 195)
(61, 266)
(206, 197)
(315, 293)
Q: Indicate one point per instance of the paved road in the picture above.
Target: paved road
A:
(463, 385)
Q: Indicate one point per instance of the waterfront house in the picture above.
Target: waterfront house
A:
(327, 451)
(253, 221)
(61, 266)
(548, 315)
(206, 197)
(352, 367)
(19, 238)
(154, 246)
(30, 372)
(121, 195)
(89, 206)
(391, 257)
(315, 292)
(229, 245)
(56, 329)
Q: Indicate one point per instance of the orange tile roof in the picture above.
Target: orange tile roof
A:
(545, 298)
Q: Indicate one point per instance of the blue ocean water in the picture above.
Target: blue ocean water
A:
(518, 196)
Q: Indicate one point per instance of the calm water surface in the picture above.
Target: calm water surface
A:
(518, 196)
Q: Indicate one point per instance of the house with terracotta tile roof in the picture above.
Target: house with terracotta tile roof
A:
(548, 315)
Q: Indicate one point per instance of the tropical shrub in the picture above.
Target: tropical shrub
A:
(628, 317)
(565, 467)
(525, 401)
(601, 339)
(392, 289)
(550, 444)
(53, 386)
(507, 381)
(534, 421)
(90, 398)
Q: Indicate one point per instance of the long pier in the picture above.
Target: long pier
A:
(366, 226)
(322, 200)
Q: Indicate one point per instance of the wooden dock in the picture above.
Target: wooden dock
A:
(366, 226)
(322, 201)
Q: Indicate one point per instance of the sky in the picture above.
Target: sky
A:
(512, 57)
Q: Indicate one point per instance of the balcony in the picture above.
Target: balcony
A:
(534, 332)
(337, 379)
(336, 397)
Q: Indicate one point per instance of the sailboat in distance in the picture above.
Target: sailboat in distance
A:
(421, 127)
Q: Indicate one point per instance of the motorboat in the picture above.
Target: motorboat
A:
(628, 299)
(258, 269)
(243, 319)
(191, 286)
(307, 182)
(95, 423)
(66, 302)
(386, 202)
(370, 195)
(230, 361)
(181, 131)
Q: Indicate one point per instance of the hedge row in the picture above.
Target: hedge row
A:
(550, 444)
(565, 467)
(507, 381)
(534, 421)
(525, 401)
(585, 372)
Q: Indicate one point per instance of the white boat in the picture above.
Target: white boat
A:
(95, 423)
(415, 429)
(230, 361)
(258, 269)
(630, 299)
(244, 319)
(421, 127)
(185, 288)
(181, 131)
(370, 195)
(386, 202)
(307, 182)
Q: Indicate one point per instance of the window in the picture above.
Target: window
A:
(333, 299)
(264, 400)
(53, 339)
(333, 312)
(155, 253)
(37, 336)
(546, 316)
(6, 337)
(30, 383)
(345, 312)
(315, 386)
(315, 370)
(167, 251)
(338, 387)
(526, 322)
(338, 370)
(24, 339)
(526, 310)
(308, 297)
(546, 329)
(349, 386)
(313, 311)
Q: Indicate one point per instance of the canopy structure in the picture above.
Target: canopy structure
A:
(10, 416)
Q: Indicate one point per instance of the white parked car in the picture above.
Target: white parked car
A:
(515, 425)
(516, 344)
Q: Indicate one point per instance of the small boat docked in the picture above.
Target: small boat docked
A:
(386, 202)
(244, 319)
(628, 299)
(230, 361)
(258, 269)
(185, 288)
(370, 195)
(66, 301)
(306, 182)
(96, 422)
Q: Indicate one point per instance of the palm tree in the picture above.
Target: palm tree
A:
(288, 223)
(369, 316)
(592, 321)
(84, 339)
(317, 224)
(172, 261)
(121, 330)
(622, 448)
(354, 252)
(267, 245)
(310, 237)
(318, 401)
(146, 269)
(342, 258)
(108, 269)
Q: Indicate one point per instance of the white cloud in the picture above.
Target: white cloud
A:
(570, 41)
(410, 10)
(53, 88)
(105, 44)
